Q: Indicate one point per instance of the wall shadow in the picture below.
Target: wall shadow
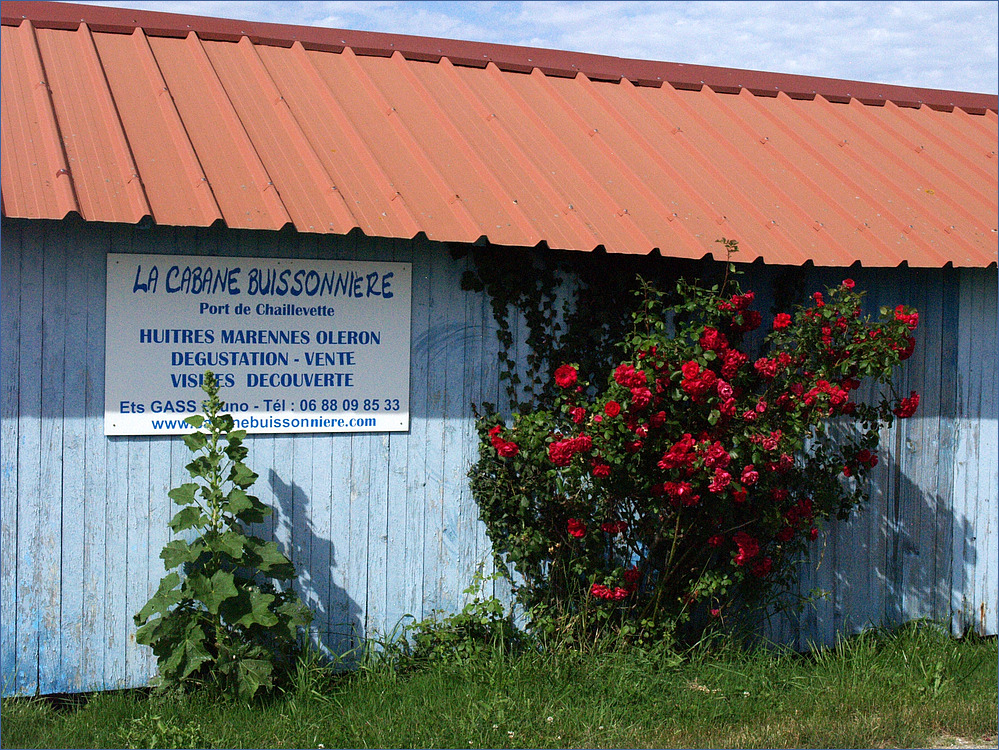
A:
(336, 617)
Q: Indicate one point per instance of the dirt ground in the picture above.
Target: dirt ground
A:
(966, 743)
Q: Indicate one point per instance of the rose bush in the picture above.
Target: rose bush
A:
(694, 477)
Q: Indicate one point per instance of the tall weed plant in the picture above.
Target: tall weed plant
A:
(226, 614)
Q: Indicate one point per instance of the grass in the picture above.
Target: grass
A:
(901, 689)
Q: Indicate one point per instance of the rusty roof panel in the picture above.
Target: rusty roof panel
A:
(191, 121)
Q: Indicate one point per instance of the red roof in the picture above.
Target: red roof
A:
(118, 115)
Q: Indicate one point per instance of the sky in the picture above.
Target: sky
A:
(942, 45)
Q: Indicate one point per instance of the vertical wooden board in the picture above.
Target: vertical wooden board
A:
(161, 509)
(984, 378)
(865, 567)
(456, 567)
(117, 525)
(396, 491)
(74, 462)
(30, 512)
(433, 542)
(47, 557)
(318, 496)
(136, 578)
(453, 571)
(376, 452)
(97, 240)
(947, 384)
(965, 465)
(10, 333)
(882, 515)
(471, 551)
(302, 449)
(415, 541)
(343, 609)
(896, 287)
(358, 514)
(158, 453)
(919, 483)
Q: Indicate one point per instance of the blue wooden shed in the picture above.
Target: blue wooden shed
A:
(152, 134)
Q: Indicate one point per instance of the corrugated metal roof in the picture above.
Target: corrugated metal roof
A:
(120, 115)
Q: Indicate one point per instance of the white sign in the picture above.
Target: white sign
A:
(296, 345)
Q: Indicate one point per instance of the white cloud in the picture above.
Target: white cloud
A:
(948, 45)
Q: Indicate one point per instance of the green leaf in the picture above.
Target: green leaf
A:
(187, 518)
(271, 560)
(230, 543)
(177, 553)
(195, 420)
(222, 588)
(165, 597)
(241, 475)
(183, 495)
(253, 674)
(200, 467)
(195, 441)
(247, 508)
(189, 654)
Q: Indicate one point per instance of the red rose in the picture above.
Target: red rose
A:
(578, 414)
(612, 409)
(576, 527)
(601, 469)
(762, 567)
(561, 452)
(566, 376)
(848, 283)
(748, 547)
(910, 319)
(507, 449)
(690, 370)
(641, 397)
(713, 340)
(907, 406)
(783, 320)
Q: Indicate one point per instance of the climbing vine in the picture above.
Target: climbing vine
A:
(572, 304)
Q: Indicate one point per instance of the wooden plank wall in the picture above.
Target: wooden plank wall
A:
(382, 526)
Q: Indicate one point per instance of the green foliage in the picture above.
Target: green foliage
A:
(867, 692)
(570, 306)
(684, 483)
(154, 731)
(219, 617)
(484, 628)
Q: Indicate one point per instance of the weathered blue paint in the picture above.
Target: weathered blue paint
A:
(384, 526)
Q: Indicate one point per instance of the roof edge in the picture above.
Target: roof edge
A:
(59, 15)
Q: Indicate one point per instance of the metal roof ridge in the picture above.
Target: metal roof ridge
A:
(558, 63)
